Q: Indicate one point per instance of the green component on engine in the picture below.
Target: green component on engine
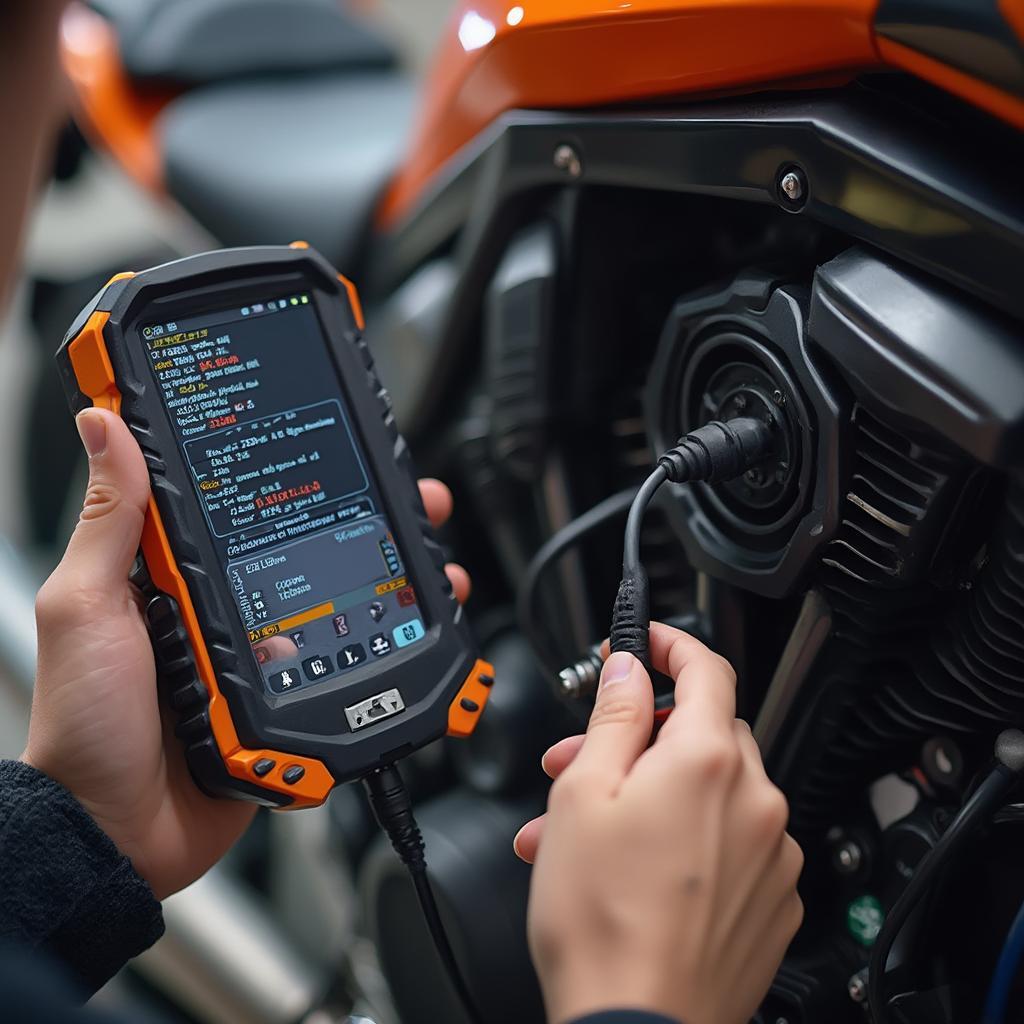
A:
(864, 917)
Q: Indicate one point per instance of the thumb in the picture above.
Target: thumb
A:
(621, 722)
(106, 539)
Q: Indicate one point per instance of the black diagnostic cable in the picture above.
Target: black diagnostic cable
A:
(392, 807)
(553, 549)
(717, 451)
(980, 807)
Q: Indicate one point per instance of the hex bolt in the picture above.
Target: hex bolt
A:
(791, 185)
(857, 986)
(778, 397)
(567, 159)
(847, 857)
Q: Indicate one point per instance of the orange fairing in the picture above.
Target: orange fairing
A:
(1013, 12)
(95, 376)
(115, 109)
(499, 55)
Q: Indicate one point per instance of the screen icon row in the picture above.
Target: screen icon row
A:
(350, 656)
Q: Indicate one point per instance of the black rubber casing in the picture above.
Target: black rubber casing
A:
(308, 722)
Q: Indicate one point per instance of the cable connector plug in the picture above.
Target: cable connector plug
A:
(718, 451)
(392, 808)
(631, 617)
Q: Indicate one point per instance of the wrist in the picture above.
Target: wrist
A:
(37, 761)
(577, 995)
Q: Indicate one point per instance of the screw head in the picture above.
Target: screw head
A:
(792, 185)
(857, 987)
(778, 397)
(847, 858)
(567, 159)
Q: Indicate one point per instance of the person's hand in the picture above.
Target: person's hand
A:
(664, 879)
(96, 726)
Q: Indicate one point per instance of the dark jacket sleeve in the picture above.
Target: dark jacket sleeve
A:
(65, 889)
(34, 990)
(626, 1017)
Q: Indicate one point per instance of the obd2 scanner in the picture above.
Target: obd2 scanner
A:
(304, 628)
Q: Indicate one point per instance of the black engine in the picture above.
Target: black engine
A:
(550, 332)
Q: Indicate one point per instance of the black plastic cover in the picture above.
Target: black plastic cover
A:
(518, 329)
(929, 355)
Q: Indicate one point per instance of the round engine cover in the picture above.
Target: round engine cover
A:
(743, 351)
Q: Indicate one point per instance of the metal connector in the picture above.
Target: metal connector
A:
(580, 679)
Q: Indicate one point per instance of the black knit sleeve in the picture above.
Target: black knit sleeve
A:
(64, 886)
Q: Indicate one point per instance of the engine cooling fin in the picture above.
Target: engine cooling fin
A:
(898, 670)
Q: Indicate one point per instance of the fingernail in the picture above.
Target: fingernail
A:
(93, 431)
(617, 668)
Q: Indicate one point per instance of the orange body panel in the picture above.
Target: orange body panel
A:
(981, 94)
(95, 375)
(1013, 12)
(585, 53)
(113, 108)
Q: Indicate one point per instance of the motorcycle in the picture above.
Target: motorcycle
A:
(592, 229)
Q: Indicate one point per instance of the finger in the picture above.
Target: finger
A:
(562, 754)
(705, 682)
(621, 722)
(437, 500)
(106, 539)
(527, 840)
(702, 677)
(460, 581)
(275, 648)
